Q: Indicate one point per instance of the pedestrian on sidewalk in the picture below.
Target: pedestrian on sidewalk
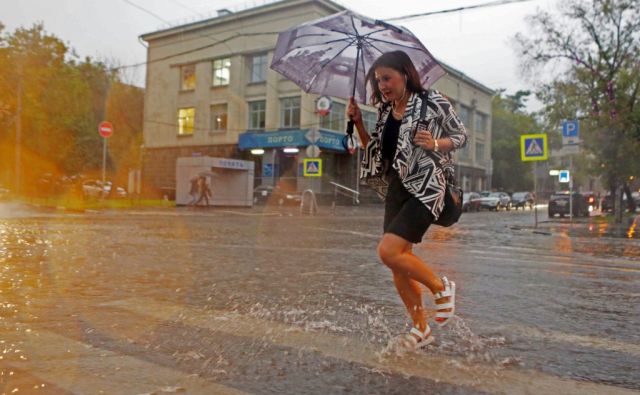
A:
(407, 165)
(205, 192)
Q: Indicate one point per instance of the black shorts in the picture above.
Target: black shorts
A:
(404, 214)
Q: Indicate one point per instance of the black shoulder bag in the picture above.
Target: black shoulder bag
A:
(452, 209)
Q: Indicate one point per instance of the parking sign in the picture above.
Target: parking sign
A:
(570, 132)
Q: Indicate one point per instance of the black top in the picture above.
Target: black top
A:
(390, 138)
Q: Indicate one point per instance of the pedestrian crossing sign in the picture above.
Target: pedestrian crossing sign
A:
(533, 147)
(312, 167)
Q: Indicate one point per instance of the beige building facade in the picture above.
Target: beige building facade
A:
(210, 92)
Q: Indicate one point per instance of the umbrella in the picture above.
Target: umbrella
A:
(332, 55)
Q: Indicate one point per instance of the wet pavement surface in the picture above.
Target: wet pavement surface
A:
(266, 301)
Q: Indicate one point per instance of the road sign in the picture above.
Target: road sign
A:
(533, 147)
(569, 149)
(105, 129)
(312, 167)
(564, 176)
(323, 105)
(313, 151)
(313, 135)
(570, 132)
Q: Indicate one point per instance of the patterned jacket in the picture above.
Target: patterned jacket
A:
(419, 173)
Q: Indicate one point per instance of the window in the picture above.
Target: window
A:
(481, 122)
(464, 152)
(218, 117)
(186, 121)
(369, 118)
(188, 77)
(257, 114)
(290, 114)
(335, 119)
(465, 115)
(479, 152)
(258, 68)
(221, 71)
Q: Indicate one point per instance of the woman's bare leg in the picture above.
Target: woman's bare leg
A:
(410, 292)
(396, 253)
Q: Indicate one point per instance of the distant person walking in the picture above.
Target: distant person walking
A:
(203, 189)
(407, 167)
(193, 191)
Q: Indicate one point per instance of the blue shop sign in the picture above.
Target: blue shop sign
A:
(289, 138)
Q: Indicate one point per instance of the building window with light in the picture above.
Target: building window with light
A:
(218, 118)
(188, 77)
(258, 68)
(257, 114)
(290, 112)
(335, 119)
(186, 121)
(221, 72)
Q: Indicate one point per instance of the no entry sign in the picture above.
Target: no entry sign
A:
(105, 129)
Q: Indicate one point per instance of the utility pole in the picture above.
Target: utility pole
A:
(18, 156)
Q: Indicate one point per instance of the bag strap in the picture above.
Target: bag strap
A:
(424, 96)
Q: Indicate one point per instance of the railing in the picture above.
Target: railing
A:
(313, 203)
(344, 191)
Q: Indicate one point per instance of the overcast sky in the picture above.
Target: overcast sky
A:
(476, 42)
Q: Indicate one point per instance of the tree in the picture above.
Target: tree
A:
(509, 122)
(591, 49)
(64, 99)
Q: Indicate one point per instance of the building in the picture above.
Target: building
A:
(210, 92)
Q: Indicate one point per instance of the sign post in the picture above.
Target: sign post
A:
(571, 145)
(106, 130)
(534, 148)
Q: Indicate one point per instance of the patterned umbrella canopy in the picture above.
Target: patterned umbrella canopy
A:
(331, 56)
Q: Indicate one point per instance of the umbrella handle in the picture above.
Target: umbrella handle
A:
(350, 127)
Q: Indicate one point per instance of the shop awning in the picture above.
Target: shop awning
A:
(290, 138)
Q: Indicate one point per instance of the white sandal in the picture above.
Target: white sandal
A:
(443, 317)
(417, 340)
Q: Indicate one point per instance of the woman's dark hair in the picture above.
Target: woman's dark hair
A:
(399, 61)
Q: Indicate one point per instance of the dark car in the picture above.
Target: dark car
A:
(471, 201)
(267, 194)
(522, 200)
(559, 204)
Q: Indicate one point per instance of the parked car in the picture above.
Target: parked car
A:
(559, 204)
(471, 201)
(96, 189)
(522, 199)
(607, 202)
(496, 201)
(267, 194)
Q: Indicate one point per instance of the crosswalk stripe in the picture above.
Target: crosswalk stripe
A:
(429, 366)
(84, 369)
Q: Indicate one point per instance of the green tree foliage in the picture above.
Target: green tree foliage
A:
(63, 101)
(591, 52)
(509, 122)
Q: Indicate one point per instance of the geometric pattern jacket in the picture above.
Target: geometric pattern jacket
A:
(420, 174)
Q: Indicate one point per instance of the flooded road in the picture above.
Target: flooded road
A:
(269, 302)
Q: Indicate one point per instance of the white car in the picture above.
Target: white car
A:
(495, 201)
